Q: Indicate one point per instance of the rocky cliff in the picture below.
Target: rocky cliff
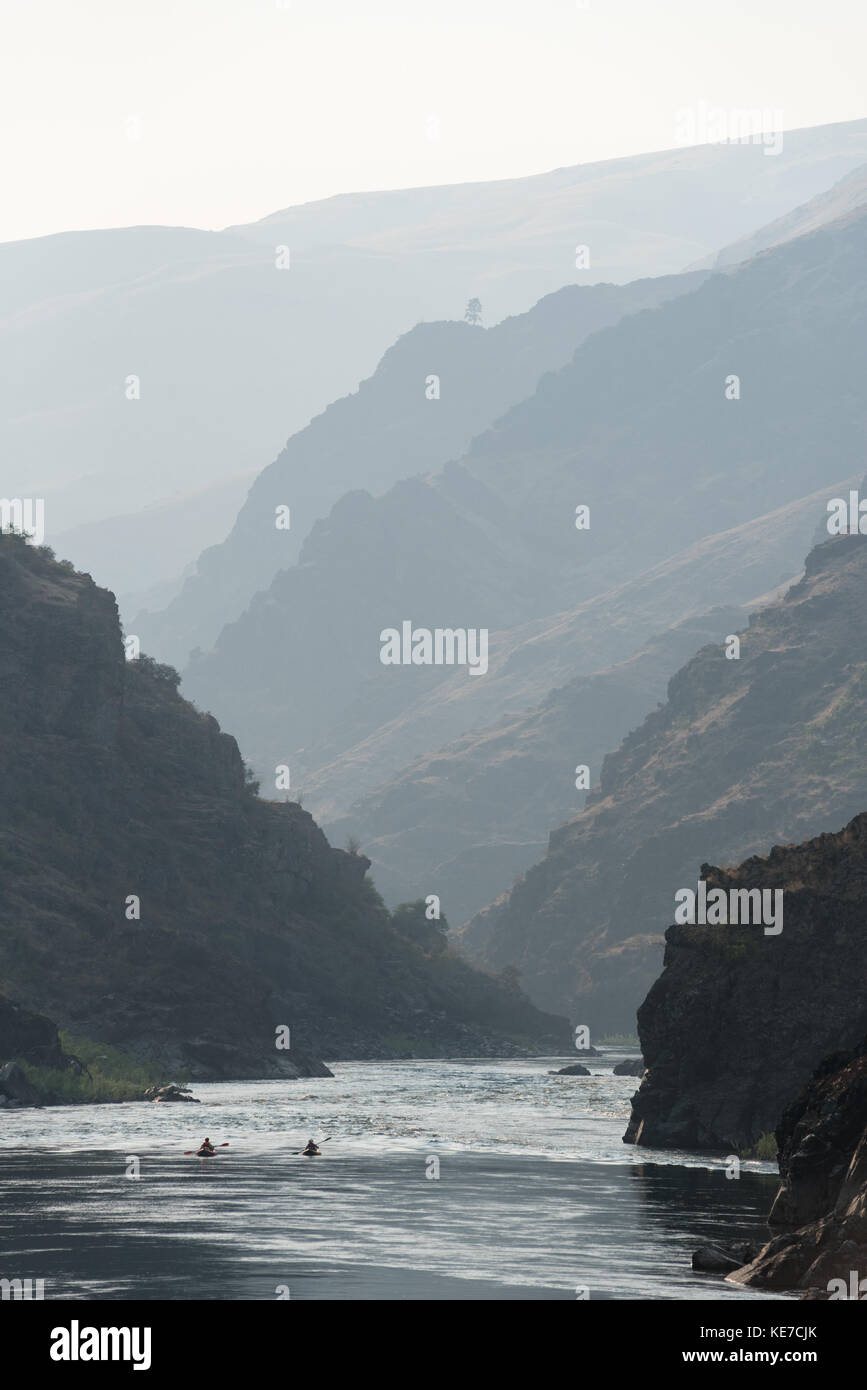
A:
(150, 899)
(740, 1018)
(822, 1202)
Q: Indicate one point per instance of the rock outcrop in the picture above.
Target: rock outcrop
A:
(822, 1201)
(739, 1019)
(170, 1093)
(15, 1089)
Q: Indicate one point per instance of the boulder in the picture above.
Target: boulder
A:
(575, 1069)
(171, 1092)
(633, 1066)
(15, 1086)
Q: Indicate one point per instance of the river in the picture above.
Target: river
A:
(536, 1196)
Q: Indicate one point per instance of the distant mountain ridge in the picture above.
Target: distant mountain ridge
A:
(233, 354)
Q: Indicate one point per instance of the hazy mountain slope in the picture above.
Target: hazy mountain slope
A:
(530, 660)
(234, 354)
(679, 198)
(537, 658)
(637, 426)
(738, 1021)
(448, 818)
(114, 789)
(466, 819)
(743, 755)
(387, 430)
(846, 196)
(129, 551)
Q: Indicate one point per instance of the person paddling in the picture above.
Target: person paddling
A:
(206, 1148)
(311, 1150)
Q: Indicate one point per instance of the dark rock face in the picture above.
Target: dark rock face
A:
(15, 1089)
(738, 1020)
(822, 1140)
(575, 1069)
(118, 797)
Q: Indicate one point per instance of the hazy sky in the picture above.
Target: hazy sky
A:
(208, 112)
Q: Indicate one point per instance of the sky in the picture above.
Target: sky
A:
(212, 112)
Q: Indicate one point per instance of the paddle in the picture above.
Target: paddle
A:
(300, 1151)
(187, 1152)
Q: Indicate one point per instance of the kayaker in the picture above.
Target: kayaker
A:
(311, 1149)
(206, 1147)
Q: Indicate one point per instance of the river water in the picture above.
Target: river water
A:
(536, 1196)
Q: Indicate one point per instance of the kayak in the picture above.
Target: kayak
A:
(206, 1153)
(305, 1154)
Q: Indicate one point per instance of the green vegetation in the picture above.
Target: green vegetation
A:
(251, 782)
(160, 671)
(765, 1147)
(411, 921)
(114, 1075)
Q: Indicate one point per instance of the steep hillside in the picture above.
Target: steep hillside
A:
(527, 662)
(477, 811)
(467, 819)
(744, 754)
(149, 899)
(845, 197)
(638, 427)
(389, 429)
